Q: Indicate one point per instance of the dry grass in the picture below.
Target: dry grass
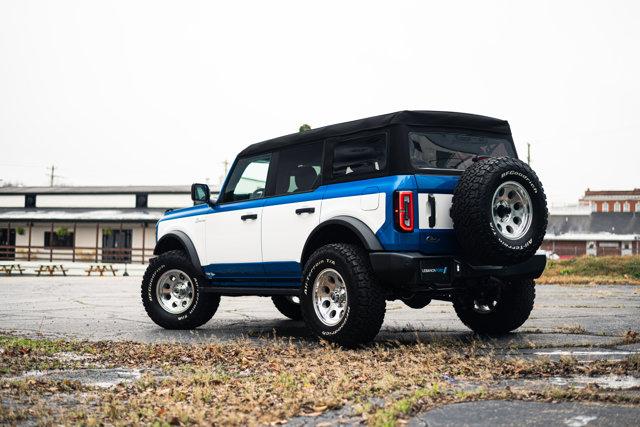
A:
(593, 270)
(262, 382)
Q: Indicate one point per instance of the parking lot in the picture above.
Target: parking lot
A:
(109, 308)
(588, 322)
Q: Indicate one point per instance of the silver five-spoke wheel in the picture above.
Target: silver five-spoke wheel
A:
(511, 210)
(175, 291)
(329, 297)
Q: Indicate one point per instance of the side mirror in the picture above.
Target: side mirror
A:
(200, 193)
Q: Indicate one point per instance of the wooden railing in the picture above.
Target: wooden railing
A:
(75, 254)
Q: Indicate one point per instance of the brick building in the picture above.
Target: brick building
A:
(581, 230)
(612, 200)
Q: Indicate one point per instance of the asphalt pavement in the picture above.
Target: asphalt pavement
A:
(109, 308)
(587, 322)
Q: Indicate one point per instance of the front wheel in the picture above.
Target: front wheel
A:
(497, 309)
(171, 295)
(341, 301)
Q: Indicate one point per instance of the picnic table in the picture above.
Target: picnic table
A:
(101, 268)
(8, 269)
(48, 268)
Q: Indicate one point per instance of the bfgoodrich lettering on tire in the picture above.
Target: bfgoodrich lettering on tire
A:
(171, 296)
(499, 211)
(341, 301)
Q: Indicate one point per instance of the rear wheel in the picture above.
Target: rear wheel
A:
(341, 300)
(171, 295)
(289, 306)
(496, 309)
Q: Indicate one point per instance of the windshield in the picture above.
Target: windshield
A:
(454, 150)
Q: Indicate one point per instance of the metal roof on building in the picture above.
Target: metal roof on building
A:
(80, 215)
(601, 237)
(596, 222)
(110, 189)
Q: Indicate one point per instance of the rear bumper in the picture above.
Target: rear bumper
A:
(412, 268)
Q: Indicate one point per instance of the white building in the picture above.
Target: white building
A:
(84, 224)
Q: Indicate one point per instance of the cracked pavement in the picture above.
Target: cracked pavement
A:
(109, 308)
(587, 322)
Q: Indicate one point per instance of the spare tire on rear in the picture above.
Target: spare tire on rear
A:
(499, 212)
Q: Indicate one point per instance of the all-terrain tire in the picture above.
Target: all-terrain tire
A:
(203, 305)
(287, 307)
(512, 309)
(365, 301)
(472, 212)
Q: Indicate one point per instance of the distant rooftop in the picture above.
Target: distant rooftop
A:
(111, 189)
(634, 192)
(80, 215)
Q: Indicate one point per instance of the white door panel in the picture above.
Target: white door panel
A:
(284, 232)
(443, 205)
(373, 216)
(230, 239)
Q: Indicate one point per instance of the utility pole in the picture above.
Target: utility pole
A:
(529, 153)
(225, 163)
(52, 174)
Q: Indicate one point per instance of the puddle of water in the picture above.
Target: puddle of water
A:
(587, 355)
(68, 356)
(612, 382)
(104, 378)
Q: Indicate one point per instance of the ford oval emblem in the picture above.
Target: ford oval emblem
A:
(432, 239)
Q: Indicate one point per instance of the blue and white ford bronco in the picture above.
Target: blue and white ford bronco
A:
(332, 223)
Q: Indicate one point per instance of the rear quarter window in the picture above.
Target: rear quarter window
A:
(359, 156)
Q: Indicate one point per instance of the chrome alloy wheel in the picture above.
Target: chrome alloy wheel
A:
(484, 307)
(175, 291)
(329, 296)
(511, 210)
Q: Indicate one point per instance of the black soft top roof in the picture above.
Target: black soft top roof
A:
(409, 118)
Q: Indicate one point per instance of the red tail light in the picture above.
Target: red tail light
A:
(403, 210)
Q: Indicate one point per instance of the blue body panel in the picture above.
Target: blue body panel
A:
(428, 242)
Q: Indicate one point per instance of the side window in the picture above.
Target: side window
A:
(299, 169)
(359, 156)
(248, 179)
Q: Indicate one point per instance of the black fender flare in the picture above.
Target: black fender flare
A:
(184, 241)
(366, 236)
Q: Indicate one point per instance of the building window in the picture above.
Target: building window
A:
(626, 207)
(616, 207)
(58, 240)
(637, 206)
(29, 200)
(141, 200)
(605, 206)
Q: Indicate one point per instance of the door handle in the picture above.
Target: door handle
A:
(305, 210)
(432, 210)
(249, 216)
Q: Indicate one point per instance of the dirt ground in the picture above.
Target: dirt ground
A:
(81, 350)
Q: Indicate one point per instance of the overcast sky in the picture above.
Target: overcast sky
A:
(156, 92)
